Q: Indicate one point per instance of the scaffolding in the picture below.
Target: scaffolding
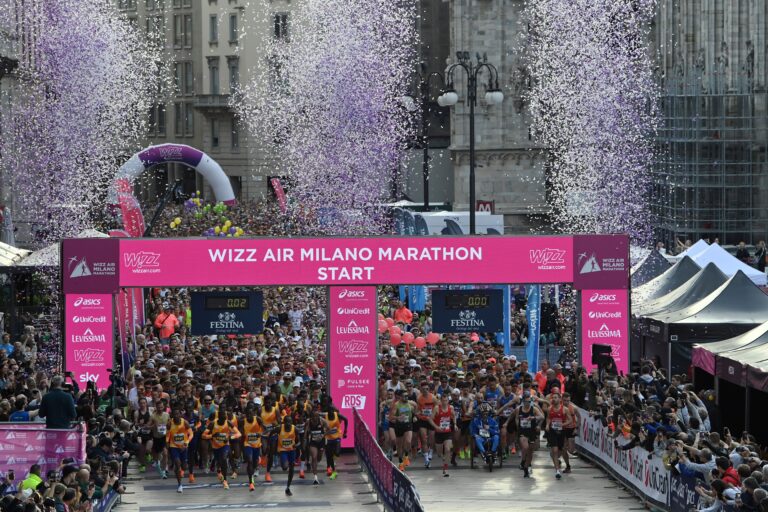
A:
(709, 174)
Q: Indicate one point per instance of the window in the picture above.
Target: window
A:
(235, 135)
(233, 28)
(189, 120)
(234, 74)
(188, 28)
(189, 79)
(152, 120)
(177, 4)
(151, 5)
(160, 125)
(186, 3)
(213, 29)
(178, 30)
(214, 133)
(281, 26)
(178, 119)
(155, 26)
(213, 75)
(178, 80)
(127, 5)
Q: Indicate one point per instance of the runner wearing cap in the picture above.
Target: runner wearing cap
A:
(443, 421)
(506, 409)
(458, 436)
(426, 404)
(158, 424)
(401, 419)
(528, 417)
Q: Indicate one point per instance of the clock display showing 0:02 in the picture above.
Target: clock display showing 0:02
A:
(466, 301)
(223, 302)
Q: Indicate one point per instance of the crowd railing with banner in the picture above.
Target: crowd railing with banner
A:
(393, 488)
(25, 444)
(640, 471)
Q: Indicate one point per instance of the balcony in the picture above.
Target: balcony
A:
(213, 103)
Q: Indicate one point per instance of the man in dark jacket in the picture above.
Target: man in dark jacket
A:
(57, 407)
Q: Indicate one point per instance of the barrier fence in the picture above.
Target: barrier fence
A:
(24, 444)
(645, 476)
(394, 489)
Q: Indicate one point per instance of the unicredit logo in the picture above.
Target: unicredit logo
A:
(602, 297)
(89, 319)
(82, 301)
(600, 315)
(353, 311)
(351, 294)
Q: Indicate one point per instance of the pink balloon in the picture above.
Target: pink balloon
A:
(433, 338)
(395, 339)
(395, 330)
(382, 326)
(420, 342)
(389, 321)
(408, 338)
(381, 316)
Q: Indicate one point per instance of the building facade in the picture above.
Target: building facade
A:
(711, 174)
(215, 46)
(510, 166)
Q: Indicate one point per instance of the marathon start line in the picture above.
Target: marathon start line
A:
(98, 273)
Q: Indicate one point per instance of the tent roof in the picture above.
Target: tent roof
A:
(754, 354)
(49, 256)
(10, 255)
(653, 265)
(751, 338)
(728, 263)
(695, 249)
(661, 285)
(696, 288)
(737, 301)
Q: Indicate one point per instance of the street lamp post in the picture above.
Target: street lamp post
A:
(425, 84)
(493, 96)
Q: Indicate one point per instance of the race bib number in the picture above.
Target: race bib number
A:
(317, 435)
(525, 422)
(333, 431)
(179, 438)
(427, 411)
(220, 437)
(507, 412)
(484, 432)
(145, 430)
(162, 429)
(287, 443)
(253, 438)
(445, 424)
(403, 418)
(557, 425)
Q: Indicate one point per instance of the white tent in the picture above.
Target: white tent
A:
(49, 256)
(694, 250)
(727, 263)
(10, 255)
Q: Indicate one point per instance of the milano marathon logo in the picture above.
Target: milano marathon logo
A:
(78, 268)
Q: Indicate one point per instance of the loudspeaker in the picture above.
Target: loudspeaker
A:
(600, 352)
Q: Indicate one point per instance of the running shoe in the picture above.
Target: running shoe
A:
(256, 474)
(234, 475)
(182, 473)
(164, 474)
(333, 475)
(251, 487)
(316, 482)
(513, 451)
(220, 476)
(225, 485)
(526, 473)
(567, 469)
(401, 467)
(191, 478)
(328, 471)
(407, 461)
(301, 474)
(180, 489)
(268, 478)
(288, 492)
(558, 475)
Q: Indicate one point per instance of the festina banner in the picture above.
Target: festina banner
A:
(472, 310)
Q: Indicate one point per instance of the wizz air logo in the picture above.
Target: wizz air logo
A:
(547, 256)
(353, 347)
(140, 260)
(89, 355)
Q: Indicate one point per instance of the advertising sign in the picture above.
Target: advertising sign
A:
(342, 261)
(468, 310)
(89, 337)
(227, 313)
(604, 320)
(633, 467)
(352, 337)
(89, 265)
(533, 317)
(602, 261)
(24, 444)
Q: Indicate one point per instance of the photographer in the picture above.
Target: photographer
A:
(58, 406)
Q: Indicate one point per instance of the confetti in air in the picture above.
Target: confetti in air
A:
(328, 109)
(593, 105)
(88, 80)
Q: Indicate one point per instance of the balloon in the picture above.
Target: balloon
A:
(433, 338)
(408, 338)
(382, 326)
(420, 342)
(232, 231)
(177, 220)
(237, 235)
(390, 322)
(395, 339)
(217, 230)
(197, 193)
(381, 316)
(395, 330)
(173, 225)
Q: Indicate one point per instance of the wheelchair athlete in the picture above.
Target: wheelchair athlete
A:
(485, 432)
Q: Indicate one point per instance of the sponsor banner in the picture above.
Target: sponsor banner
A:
(682, 493)
(137, 307)
(647, 477)
(605, 321)
(352, 337)
(600, 261)
(88, 337)
(467, 310)
(124, 328)
(280, 194)
(393, 487)
(533, 317)
(89, 265)
(334, 261)
(227, 313)
(133, 218)
(24, 444)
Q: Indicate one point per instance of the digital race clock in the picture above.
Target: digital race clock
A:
(474, 300)
(230, 302)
